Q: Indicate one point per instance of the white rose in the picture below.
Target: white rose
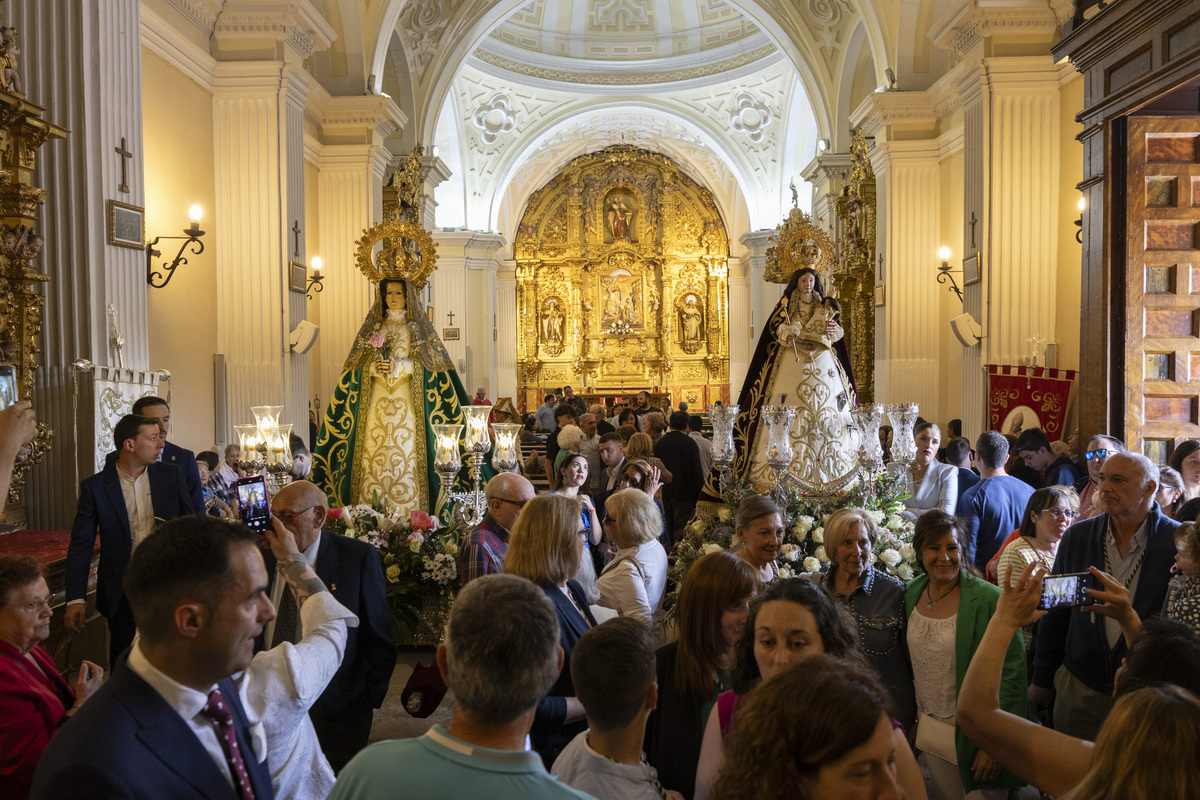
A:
(812, 565)
(908, 553)
(821, 555)
(725, 514)
(786, 572)
(877, 516)
(790, 551)
(890, 557)
(896, 523)
(873, 557)
(711, 547)
(904, 572)
(804, 524)
(819, 536)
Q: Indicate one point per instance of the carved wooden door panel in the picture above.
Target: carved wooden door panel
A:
(1163, 284)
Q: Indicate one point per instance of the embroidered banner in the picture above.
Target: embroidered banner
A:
(1020, 398)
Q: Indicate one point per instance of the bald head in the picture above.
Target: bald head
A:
(306, 505)
(506, 494)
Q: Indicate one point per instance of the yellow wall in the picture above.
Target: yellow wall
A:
(177, 128)
(312, 247)
(950, 376)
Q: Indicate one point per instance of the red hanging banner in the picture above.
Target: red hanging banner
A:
(1020, 398)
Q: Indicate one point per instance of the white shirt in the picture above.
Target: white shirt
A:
(138, 504)
(280, 585)
(228, 473)
(282, 683)
(634, 581)
(705, 447)
(188, 703)
(613, 473)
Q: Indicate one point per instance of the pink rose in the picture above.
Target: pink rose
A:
(421, 521)
(334, 513)
(376, 340)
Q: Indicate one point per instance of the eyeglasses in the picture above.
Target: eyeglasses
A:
(1062, 513)
(288, 517)
(1096, 454)
(517, 503)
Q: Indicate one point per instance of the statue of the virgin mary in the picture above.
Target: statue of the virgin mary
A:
(397, 382)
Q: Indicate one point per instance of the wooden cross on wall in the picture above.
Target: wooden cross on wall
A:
(125, 156)
(972, 222)
(296, 230)
(451, 315)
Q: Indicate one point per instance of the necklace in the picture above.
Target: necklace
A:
(929, 592)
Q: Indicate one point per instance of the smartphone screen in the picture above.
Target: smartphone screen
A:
(8, 385)
(254, 502)
(1066, 590)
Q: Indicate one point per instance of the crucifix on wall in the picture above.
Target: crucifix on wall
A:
(125, 156)
(451, 316)
(972, 222)
(296, 230)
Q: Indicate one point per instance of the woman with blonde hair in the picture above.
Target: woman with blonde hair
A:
(713, 602)
(545, 547)
(875, 601)
(634, 581)
(1149, 747)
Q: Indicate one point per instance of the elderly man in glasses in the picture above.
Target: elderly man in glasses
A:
(1098, 449)
(483, 549)
(352, 570)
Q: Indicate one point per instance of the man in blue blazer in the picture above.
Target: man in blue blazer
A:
(123, 503)
(155, 408)
(352, 570)
(169, 723)
(1078, 652)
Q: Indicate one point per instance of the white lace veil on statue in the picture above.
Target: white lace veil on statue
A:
(425, 347)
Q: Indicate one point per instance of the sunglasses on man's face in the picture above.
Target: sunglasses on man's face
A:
(1096, 454)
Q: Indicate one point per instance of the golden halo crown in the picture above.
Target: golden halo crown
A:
(408, 252)
(799, 242)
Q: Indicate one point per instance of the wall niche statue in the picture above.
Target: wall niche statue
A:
(691, 322)
(553, 321)
(619, 211)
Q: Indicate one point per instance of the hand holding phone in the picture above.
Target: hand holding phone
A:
(254, 503)
(1067, 590)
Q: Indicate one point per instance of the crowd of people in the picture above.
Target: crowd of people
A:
(250, 668)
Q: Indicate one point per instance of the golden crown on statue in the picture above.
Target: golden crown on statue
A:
(799, 242)
(408, 252)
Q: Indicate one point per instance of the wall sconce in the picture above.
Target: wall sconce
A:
(1079, 222)
(944, 273)
(192, 234)
(315, 280)
(822, 145)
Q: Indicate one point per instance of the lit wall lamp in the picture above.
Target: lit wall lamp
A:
(1079, 222)
(944, 273)
(822, 145)
(191, 236)
(315, 280)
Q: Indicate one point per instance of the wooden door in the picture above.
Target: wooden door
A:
(1163, 280)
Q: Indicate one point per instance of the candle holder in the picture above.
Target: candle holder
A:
(904, 445)
(723, 418)
(470, 506)
(446, 459)
(779, 420)
(504, 457)
(254, 452)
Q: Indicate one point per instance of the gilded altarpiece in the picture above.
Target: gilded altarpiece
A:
(622, 267)
(854, 277)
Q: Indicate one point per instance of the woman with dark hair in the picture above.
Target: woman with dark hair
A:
(572, 474)
(1186, 461)
(1048, 514)
(819, 730)
(34, 699)
(930, 483)
(1170, 490)
(694, 669)
(759, 531)
(790, 621)
(948, 609)
(375, 442)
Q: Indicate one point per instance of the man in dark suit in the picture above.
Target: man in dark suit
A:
(681, 456)
(122, 503)
(169, 722)
(155, 408)
(353, 572)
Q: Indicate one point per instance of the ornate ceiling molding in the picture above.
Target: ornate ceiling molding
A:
(369, 118)
(967, 23)
(201, 13)
(601, 73)
(294, 22)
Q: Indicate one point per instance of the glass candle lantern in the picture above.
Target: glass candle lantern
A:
(723, 419)
(446, 458)
(476, 417)
(504, 457)
(903, 417)
(867, 419)
(779, 438)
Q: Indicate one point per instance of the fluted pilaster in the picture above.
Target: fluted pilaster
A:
(506, 331)
(465, 286)
(762, 295)
(82, 62)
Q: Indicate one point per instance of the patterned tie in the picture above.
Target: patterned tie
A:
(285, 620)
(218, 711)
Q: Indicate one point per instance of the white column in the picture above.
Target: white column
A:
(350, 196)
(82, 62)
(464, 286)
(506, 331)
(258, 149)
(762, 295)
(741, 346)
(906, 338)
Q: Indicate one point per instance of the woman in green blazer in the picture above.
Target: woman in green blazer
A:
(948, 610)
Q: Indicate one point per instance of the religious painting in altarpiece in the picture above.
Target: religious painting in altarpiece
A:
(622, 282)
